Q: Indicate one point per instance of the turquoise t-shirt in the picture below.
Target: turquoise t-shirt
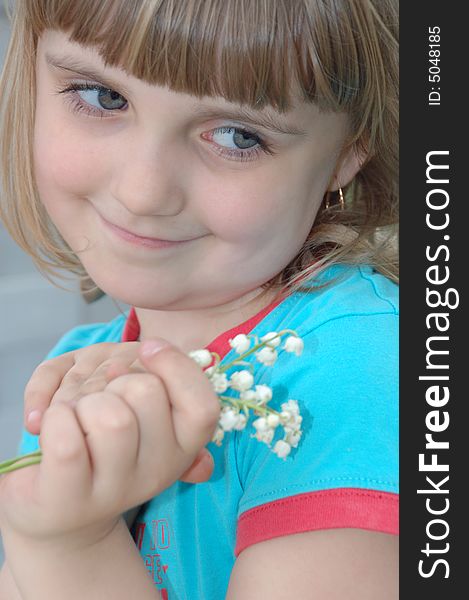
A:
(344, 472)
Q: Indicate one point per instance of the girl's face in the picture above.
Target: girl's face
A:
(226, 200)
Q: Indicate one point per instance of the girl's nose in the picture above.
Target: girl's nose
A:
(147, 181)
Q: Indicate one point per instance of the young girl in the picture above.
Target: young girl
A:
(224, 167)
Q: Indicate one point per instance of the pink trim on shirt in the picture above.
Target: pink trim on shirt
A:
(131, 331)
(326, 509)
(220, 344)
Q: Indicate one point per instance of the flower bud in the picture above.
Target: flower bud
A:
(268, 338)
(293, 438)
(267, 356)
(228, 419)
(264, 436)
(273, 420)
(294, 344)
(218, 436)
(240, 343)
(260, 424)
(202, 357)
(241, 380)
(248, 396)
(263, 393)
(282, 449)
(241, 424)
(219, 382)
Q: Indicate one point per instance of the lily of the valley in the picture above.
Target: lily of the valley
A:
(253, 398)
(235, 411)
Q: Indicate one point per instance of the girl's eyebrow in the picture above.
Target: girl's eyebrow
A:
(255, 118)
(68, 63)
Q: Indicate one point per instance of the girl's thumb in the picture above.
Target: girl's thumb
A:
(151, 347)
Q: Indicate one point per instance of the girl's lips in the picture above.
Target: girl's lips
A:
(138, 240)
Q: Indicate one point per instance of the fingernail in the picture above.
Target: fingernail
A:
(153, 346)
(205, 458)
(34, 417)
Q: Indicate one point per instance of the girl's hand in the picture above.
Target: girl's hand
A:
(75, 374)
(113, 450)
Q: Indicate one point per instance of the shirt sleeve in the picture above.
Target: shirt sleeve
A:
(344, 472)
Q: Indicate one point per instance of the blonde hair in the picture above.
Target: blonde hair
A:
(340, 54)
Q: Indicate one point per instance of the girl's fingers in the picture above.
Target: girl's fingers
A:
(119, 367)
(44, 382)
(201, 469)
(96, 381)
(195, 406)
(65, 468)
(70, 376)
(87, 373)
(147, 397)
(112, 436)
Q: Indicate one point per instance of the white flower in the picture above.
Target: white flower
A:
(218, 436)
(248, 396)
(202, 357)
(294, 344)
(264, 436)
(240, 343)
(273, 420)
(291, 407)
(267, 356)
(253, 399)
(293, 437)
(241, 424)
(260, 424)
(228, 419)
(268, 338)
(290, 416)
(241, 380)
(263, 393)
(291, 422)
(219, 381)
(282, 449)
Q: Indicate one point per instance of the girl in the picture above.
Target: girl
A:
(224, 167)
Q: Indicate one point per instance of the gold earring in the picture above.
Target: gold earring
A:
(341, 199)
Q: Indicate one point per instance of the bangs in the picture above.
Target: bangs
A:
(260, 53)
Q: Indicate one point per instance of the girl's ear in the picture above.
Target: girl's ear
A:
(350, 162)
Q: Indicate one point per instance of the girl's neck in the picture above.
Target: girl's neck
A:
(193, 329)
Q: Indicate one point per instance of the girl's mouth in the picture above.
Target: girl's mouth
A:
(139, 240)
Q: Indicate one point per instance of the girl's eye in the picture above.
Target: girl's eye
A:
(238, 143)
(93, 99)
(231, 142)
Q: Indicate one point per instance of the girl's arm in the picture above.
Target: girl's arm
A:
(112, 568)
(62, 533)
(8, 587)
(334, 564)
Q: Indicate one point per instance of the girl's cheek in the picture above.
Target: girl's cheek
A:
(242, 206)
(62, 165)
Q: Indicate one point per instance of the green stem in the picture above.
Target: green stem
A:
(20, 465)
(256, 347)
(246, 404)
(17, 462)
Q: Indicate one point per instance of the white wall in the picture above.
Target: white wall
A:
(33, 315)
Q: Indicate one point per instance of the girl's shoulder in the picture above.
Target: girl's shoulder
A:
(92, 333)
(345, 470)
(340, 297)
(343, 290)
